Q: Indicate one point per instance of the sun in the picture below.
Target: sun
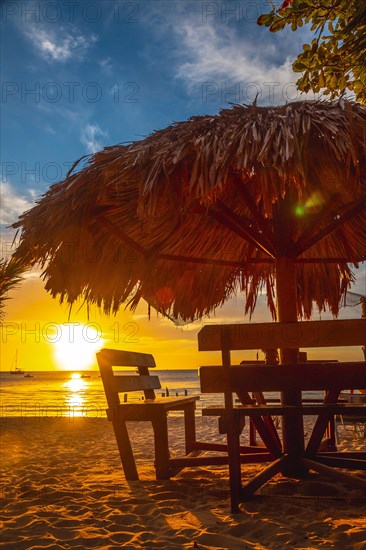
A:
(76, 345)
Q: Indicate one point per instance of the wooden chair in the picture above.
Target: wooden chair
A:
(152, 409)
(329, 377)
(354, 423)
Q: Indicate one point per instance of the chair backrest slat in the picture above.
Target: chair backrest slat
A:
(306, 334)
(306, 377)
(115, 383)
(120, 358)
(127, 383)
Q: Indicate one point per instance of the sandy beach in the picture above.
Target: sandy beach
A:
(63, 487)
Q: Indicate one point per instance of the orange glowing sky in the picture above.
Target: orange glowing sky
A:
(47, 339)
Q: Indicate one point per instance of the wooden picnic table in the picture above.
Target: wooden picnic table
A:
(330, 378)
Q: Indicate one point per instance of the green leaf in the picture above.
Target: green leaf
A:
(358, 86)
(342, 83)
(321, 79)
(313, 62)
(265, 20)
(277, 25)
(333, 82)
(334, 60)
(298, 67)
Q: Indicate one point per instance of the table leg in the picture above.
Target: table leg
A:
(267, 437)
(190, 426)
(321, 424)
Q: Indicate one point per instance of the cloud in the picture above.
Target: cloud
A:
(360, 285)
(214, 54)
(50, 130)
(60, 46)
(12, 205)
(106, 65)
(235, 57)
(91, 137)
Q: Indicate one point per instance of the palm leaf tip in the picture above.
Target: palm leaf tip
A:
(11, 274)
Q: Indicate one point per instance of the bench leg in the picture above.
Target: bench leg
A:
(125, 450)
(233, 447)
(190, 427)
(160, 427)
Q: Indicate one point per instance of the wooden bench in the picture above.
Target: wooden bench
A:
(152, 409)
(329, 377)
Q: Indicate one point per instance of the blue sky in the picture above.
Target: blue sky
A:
(80, 75)
(77, 76)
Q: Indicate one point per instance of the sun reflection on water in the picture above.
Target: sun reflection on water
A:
(75, 399)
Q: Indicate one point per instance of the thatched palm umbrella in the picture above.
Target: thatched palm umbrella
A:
(253, 197)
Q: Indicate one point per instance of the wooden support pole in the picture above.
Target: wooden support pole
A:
(321, 423)
(265, 434)
(341, 462)
(349, 211)
(177, 464)
(268, 420)
(222, 447)
(350, 480)
(252, 434)
(292, 427)
(260, 479)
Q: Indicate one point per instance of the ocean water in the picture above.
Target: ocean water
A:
(74, 394)
(69, 394)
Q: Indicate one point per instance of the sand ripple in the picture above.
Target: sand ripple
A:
(63, 488)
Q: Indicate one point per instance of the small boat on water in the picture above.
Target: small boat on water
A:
(14, 369)
(28, 375)
(85, 376)
(17, 370)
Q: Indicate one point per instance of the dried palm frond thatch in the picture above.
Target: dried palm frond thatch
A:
(11, 272)
(206, 208)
